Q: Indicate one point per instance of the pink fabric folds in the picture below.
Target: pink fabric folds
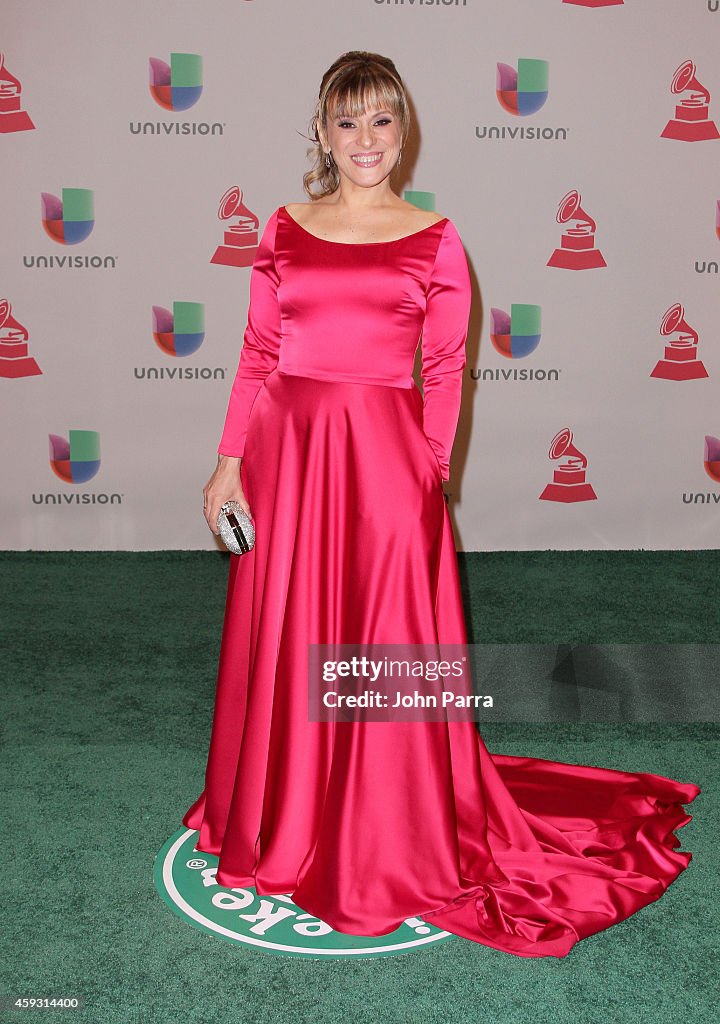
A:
(368, 823)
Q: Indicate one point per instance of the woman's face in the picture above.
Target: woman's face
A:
(365, 148)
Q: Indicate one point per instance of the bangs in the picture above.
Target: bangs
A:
(363, 93)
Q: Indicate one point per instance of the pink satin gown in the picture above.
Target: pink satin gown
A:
(368, 823)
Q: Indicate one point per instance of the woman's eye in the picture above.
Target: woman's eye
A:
(351, 124)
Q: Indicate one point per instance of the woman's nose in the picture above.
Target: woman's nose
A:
(366, 135)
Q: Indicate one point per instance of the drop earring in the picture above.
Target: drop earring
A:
(328, 159)
(399, 157)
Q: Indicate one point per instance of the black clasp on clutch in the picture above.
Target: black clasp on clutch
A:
(237, 530)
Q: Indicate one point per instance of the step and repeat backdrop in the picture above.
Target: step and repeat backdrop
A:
(574, 143)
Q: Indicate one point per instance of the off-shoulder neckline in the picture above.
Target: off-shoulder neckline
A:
(390, 241)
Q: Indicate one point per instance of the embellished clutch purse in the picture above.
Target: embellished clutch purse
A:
(236, 528)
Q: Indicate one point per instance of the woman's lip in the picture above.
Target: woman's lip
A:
(367, 159)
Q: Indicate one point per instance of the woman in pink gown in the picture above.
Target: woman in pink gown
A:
(341, 464)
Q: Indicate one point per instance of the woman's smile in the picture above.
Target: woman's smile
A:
(367, 159)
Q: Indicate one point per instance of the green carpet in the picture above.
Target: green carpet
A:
(109, 665)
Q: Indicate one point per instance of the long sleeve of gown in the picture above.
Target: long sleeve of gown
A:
(261, 344)
(442, 345)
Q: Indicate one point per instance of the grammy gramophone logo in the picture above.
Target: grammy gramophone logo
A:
(12, 118)
(569, 483)
(240, 240)
(681, 352)
(577, 244)
(14, 358)
(692, 113)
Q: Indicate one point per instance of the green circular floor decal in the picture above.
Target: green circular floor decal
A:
(185, 878)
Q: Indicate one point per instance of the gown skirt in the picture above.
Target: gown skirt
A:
(368, 823)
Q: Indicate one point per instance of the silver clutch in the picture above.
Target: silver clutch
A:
(236, 528)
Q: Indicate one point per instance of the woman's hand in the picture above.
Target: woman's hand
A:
(224, 485)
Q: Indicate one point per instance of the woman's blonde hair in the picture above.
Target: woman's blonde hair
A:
(356, 82)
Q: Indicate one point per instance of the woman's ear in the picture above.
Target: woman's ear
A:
(321, 134)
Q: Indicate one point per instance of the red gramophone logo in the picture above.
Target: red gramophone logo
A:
(240, 240)
(12, 118)
(569, 483)
(14, 358)
(577, 244)
(692, 115)
(681, 354)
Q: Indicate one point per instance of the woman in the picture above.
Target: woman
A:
(330, 446)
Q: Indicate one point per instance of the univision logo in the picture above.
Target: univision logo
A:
(68, 219)
(176, 86)
(71, 219)
(518, 334)
(75, 459)
(423, 200)
(521, 91)
(712, 458)
(711, 462)
(710, 266)
(185, 879)
(421, 3)
(179, 84)
(515, 335)
(179, 333)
